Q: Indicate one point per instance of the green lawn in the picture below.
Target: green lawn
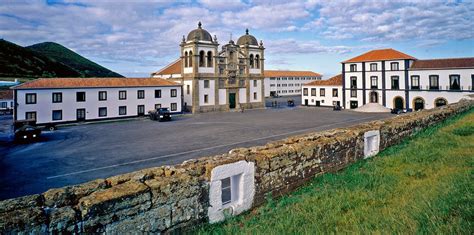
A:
(424, 185)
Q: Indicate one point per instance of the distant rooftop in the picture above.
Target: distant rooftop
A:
(290, 73)
(334, 81)
(382, 54)
(443, 63)
(43, 83)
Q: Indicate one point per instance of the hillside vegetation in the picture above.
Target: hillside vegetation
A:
(46, 60)
(422, 186)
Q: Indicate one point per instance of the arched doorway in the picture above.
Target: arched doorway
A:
(374, 97)
(418, 103)
(398, 102)
(440, 102)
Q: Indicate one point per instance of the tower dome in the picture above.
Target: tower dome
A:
(247, 39)
(200, 34)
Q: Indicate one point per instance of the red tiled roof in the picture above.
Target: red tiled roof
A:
(443, 63)
(173, 68)
(382, 54)
(94, 82)
(289, 73)
(6, 95)
(334, 81)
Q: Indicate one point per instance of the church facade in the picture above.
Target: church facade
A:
(218, 79)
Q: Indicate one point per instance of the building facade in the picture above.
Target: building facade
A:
(287, 83)
(397, 80)
(63, 100)
(216, 79)
(6, 101)
(323, 93)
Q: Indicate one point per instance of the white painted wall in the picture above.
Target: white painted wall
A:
(286, 86)
(242, 95)
(44, 105)
(257, 89)
(327, 100)
(188, 95)
(6, 102)
(222, 96)
(207, 91)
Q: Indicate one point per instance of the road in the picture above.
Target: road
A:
(77, 154)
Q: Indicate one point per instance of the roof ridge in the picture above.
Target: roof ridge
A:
(449, 58)
(167, 66)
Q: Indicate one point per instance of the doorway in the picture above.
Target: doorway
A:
(374, 97)
(306, 102)
(81, 114)
(318, 103)
(354, 104)
(398, 102)
(141, 110)
(232, 100)
(419, 104)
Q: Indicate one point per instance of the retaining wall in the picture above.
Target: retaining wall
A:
(170, 198)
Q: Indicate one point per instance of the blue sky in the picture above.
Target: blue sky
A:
(138, 37)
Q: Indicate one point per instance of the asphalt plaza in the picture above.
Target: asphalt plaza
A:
(79, 153)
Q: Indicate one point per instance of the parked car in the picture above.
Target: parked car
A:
(336, 108)
(161, 114)
(27, 133)
(291, 103)
(396, 111)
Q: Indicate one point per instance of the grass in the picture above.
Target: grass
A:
(423, 185)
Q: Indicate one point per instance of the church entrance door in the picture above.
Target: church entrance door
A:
(232, 100)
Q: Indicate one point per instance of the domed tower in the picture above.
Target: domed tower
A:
(198, 56)
(254, 52)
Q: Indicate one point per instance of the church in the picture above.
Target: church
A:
(216, 79)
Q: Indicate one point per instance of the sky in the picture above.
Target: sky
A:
(136, 38)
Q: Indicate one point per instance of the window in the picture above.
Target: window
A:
(188, 88)
(322, 92)
(190, 64)
(4, 105)
(141, 110)
(30, 98)
(454, 82)
(57, 97)
(335, 92)
(174, 92)
(201, 59)
(353, 93)
(251, 61)
(373, 67)
(57, 115)
(226, 194)
(30, 115)
(353, 68)
(141, 94)
(81, 114)
(103, 112)
(472, 82)
(373, 82)
(254, 83)
(209, 59)
(255, 95)
(353, 82)
(158, 93)
(122, 95)
(122, 110)
(395, 83)
(102, 95)
(440, 102)
(394, 66)
(174, 106)
(206, 83)
(157, 106)
(80, 96)
(206, 99)
(313, 91)
(434, 82)
(305, 91)
(186, 59)
(415, 82)
(257, 61)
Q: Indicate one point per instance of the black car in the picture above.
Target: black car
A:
(27, 133)
(161, 114)
(396, 111)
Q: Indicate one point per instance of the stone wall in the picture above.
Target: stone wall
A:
(170, 198)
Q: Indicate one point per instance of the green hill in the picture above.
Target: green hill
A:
(46, 59)
(17, 61)
(64, 55)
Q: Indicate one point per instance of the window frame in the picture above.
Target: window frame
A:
(313, 92)
(431, 85)
(392, 79)
(374, 82)
(140, 94)
(305, 91)
(373, 66)
(336, 92)
(450, 82)
(29, 113)
(102, 98)
(60, 115)
(352, 67)
(31, 101)
(175, 108)
(57, 97)
(174, 92)
(417, 79)
(99, 113)
(122, 94)
(120, 109)
(77, 96)
(322, 92)
(397, 66)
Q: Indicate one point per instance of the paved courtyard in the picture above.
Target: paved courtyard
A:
(76, 154)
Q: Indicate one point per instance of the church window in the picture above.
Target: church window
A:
(190, 64)
(251, 61)
(209, 59)
(257, 61)
(254, 83)
(255, 95)
(186, 59)
(201, 59)
(206, 99)
(188, 88)
(206, 83)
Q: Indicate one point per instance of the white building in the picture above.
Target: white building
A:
(323, 92)
(397, 80)
(62, 100)
(287, 83)
(6, 100)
